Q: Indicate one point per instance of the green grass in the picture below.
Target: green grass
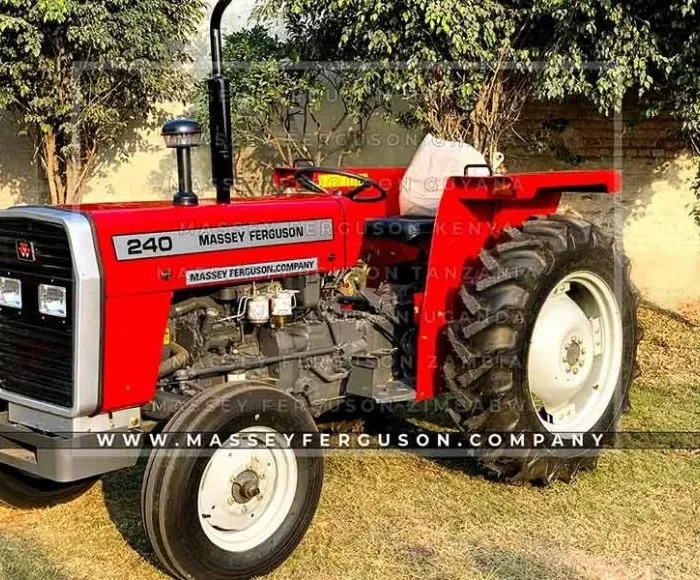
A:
(398, 515)
(20, 560)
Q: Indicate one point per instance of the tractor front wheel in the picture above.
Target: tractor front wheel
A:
(237, 511)
(546, 343)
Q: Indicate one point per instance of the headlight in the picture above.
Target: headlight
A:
(52, 300)
(10, 293)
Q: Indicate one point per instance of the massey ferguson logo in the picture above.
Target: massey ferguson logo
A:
(25, 251)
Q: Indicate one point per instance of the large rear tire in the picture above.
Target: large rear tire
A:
(547, 343)
(235, 513)
(24, 491)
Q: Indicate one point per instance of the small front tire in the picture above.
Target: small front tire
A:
(235, 513)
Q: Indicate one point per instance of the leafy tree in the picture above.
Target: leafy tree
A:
(662, 43)
(464, 68)
(278, 92)
(674, 83)
(81, 73)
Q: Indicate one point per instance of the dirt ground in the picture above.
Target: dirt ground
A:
(397, 515)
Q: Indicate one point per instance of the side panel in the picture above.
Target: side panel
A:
(135, 327)
(166, 240)
(139, 290)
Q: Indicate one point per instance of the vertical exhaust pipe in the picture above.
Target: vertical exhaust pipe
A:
(219, 112)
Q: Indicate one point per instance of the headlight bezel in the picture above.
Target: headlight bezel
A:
(44, 300)
(7, 304)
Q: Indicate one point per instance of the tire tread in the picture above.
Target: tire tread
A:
(484, 341)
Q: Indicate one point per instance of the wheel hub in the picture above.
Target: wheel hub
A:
(573, 352)
(246, 493)
(245, 487)
(558, 347)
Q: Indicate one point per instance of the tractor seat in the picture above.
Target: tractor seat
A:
(407, 229)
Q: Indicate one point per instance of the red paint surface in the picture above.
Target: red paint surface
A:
(138, 293)
(470, 218)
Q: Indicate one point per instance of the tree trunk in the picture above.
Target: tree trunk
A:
(66, 176)
(50, 164)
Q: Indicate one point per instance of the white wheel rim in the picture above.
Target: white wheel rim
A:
(230, 519)
(575, 354)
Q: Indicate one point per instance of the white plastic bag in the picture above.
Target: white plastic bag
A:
(434, 162)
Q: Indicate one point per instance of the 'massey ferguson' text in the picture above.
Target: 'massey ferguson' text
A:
(249, 271)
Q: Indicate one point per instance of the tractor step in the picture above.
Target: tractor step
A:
(371, 378)
(394, 392)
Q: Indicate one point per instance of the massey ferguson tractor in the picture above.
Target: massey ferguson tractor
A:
(261, 315)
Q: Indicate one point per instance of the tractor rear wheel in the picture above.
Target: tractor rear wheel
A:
(235, 512)
(547, 343)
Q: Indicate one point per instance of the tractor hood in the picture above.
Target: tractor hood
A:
(158, 247)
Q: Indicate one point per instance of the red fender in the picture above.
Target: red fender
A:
(472, 214)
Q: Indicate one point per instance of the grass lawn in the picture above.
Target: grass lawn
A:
(397, 515)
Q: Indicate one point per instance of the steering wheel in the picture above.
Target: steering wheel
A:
(302, 175)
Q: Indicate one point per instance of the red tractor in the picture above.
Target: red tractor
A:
(261, 315)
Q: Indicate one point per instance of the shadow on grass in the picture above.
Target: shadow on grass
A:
(122, 497)
(496, 563)
(20, 560)
(430, 417)
(503, 564)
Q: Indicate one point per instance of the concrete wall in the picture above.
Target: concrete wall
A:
(652, 215)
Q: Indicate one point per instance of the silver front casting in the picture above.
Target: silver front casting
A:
(87, 311)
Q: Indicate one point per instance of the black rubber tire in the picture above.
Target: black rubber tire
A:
(486, 368)
(24, 491)
(172, 477)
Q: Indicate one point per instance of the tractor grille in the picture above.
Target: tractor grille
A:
(36, 351)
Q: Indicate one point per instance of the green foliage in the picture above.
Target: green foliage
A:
(464, 68)
(80, 74)
(277, 95)
(429, 62)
